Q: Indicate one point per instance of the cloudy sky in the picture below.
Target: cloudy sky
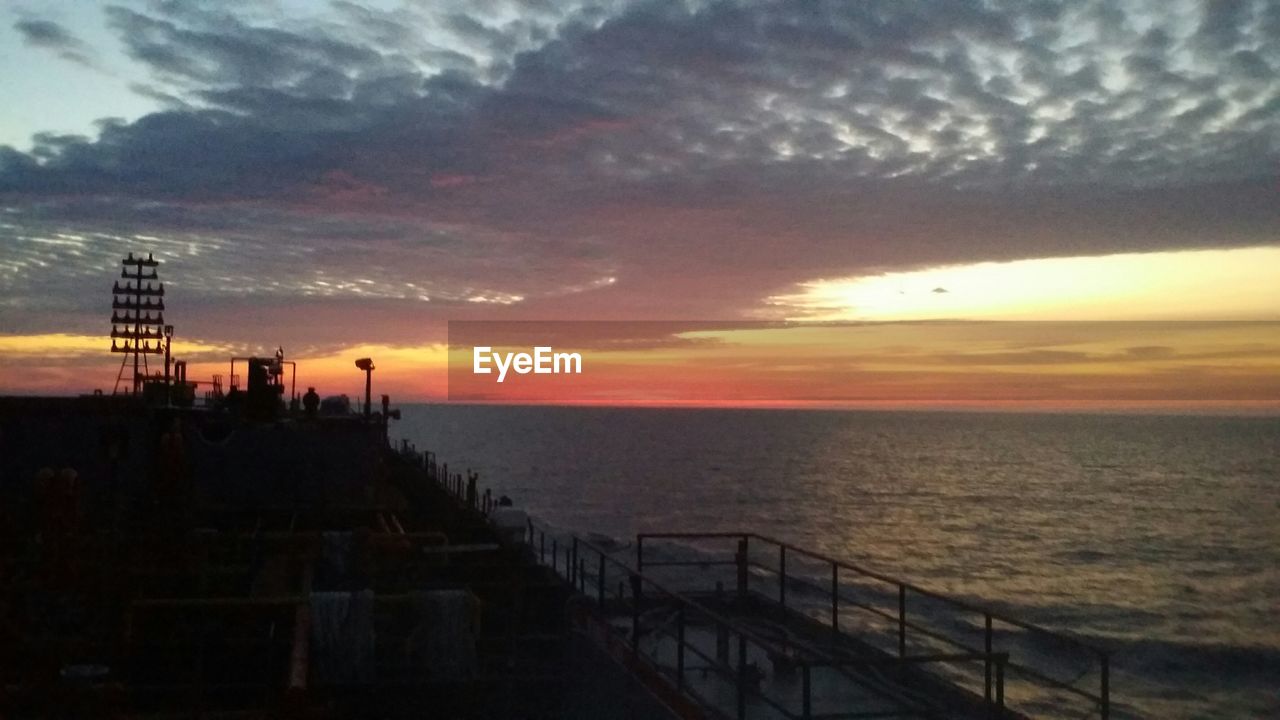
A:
(323, 175)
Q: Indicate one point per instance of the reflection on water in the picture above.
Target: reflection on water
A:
(1160, 535)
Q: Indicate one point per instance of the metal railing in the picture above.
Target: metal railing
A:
(901, 622)
(591, 569)
(464, 489)
(571, 562)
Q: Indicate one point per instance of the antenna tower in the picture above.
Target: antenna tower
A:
(137, 319)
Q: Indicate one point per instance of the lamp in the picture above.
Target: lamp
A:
(366, 364)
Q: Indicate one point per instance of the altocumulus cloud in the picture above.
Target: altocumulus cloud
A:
(670, 158)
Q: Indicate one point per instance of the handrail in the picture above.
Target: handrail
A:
(957, 602)
(922, 630)
(575, 573)
(989, 614)
(574, 566)
(887, 579)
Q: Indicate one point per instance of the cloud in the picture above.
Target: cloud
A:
(706, 154)
(52, 36)
(964, 96)
(317, 273)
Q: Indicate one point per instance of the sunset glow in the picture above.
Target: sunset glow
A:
(347, 179)
(1241, 284)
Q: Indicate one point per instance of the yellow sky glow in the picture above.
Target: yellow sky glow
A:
(62, 345)
(1238, 284)
(834, 358)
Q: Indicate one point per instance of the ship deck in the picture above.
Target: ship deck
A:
(240, 596)
(302, 568)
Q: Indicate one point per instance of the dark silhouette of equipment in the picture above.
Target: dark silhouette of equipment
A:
(137, 318)
(262, 397)
(264, 393)
(366, 364)
(168, 358)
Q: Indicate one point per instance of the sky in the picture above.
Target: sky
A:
(344, 178)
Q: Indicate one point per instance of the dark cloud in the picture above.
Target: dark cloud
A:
(225, 266)
(703, 153)
(724, 90)
(222, 50)
(44, 33)
(53, 36)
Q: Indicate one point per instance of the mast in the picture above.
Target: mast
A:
(137, 318)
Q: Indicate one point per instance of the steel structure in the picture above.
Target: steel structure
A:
(137, 319)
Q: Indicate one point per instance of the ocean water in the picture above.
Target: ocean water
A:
(1156, 536)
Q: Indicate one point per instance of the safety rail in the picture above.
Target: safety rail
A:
(587, 567)
(464, 489)
(993, 683)
(574, 570)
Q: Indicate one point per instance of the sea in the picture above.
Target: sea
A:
(1154, 536)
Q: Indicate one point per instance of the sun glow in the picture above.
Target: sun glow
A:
(63, 345)
(1241, 284)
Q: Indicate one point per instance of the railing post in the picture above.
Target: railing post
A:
(680, 648)
(573, 563)
(742, 675)
(600, 583)
(742, 568)
(1000, 685)
(635, 612)
(555, 555)
(987, 660)
(542, 547)
(782, 576)
(835, 597)
(806, 709)
(902, 620)
(640, 554)
(1104, 670)
(582, 576)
